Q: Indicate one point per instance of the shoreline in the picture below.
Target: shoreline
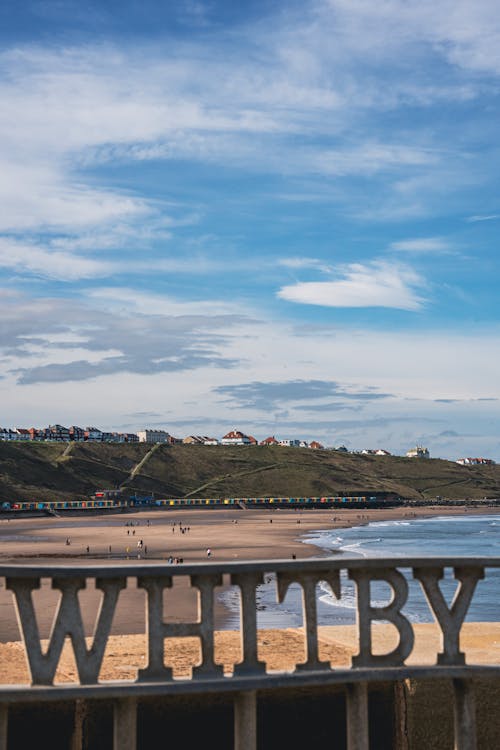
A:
(232, 534)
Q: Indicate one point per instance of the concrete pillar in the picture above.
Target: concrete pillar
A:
(464, 715)
(357, 716)
(125, 724)
(245, 721)
(4, 720)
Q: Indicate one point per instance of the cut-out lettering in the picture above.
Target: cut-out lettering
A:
(449, 620)
(67, 623)
(391, 612)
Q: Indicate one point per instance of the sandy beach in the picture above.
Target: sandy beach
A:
(231, 535)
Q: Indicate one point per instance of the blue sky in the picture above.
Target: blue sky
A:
(280, 218)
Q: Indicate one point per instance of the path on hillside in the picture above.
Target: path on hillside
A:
(220, 478)
(137, 468)
(66, 453)
(434, 487)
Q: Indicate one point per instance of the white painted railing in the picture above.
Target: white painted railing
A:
(250, 676)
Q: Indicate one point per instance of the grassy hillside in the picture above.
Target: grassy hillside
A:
(76, 470)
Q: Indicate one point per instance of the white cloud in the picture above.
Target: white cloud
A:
(486, 217)
(379, 284)
(28, 258)
(370, 158)
(212, 102)
(295, 263)
(44, 197)
(465, 34)
(422, 245)
(149, 303)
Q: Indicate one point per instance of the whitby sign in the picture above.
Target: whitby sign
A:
(154, 580)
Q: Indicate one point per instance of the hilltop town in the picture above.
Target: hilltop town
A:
(59, 434)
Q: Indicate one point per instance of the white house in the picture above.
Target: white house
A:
(290, 443)
(235, 437)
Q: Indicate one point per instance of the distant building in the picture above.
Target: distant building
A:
(76, 433)
(475, 461)
(7, 434)
(124, 437)
(269, 441)
(316, 446)
(57, 433)
(418, 452)
(22, 434)
(375, 452)
(93, 434)
(235, 437)
(200, 440)
(153, 436)
(289, 443)
(174, 440)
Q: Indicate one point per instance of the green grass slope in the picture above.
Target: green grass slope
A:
(61, 471)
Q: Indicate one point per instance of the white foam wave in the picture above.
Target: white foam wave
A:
(348, 598)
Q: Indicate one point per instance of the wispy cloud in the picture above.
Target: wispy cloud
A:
(486, 217)
(209, 103)
(378, 284)
(464, 35)
(298, 263)
(150, 303)
(423, 245)
(49, 264)
(270, 395)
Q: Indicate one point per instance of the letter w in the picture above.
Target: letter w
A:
(67, 622)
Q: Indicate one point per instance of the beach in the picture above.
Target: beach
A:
(231, 535)
(177, 537)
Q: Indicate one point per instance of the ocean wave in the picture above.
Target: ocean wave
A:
(348, 598)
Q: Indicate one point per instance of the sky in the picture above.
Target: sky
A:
(281, 218)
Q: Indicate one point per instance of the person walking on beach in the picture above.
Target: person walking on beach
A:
(209, 552)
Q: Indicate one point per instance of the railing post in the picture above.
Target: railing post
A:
(125, 724)
(400, 698)
(79, 720)
(464, 706)
(357, 716)
(245, 720)
(4, 722)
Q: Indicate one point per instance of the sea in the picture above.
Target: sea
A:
(474, 535)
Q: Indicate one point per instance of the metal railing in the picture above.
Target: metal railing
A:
(250, 676)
